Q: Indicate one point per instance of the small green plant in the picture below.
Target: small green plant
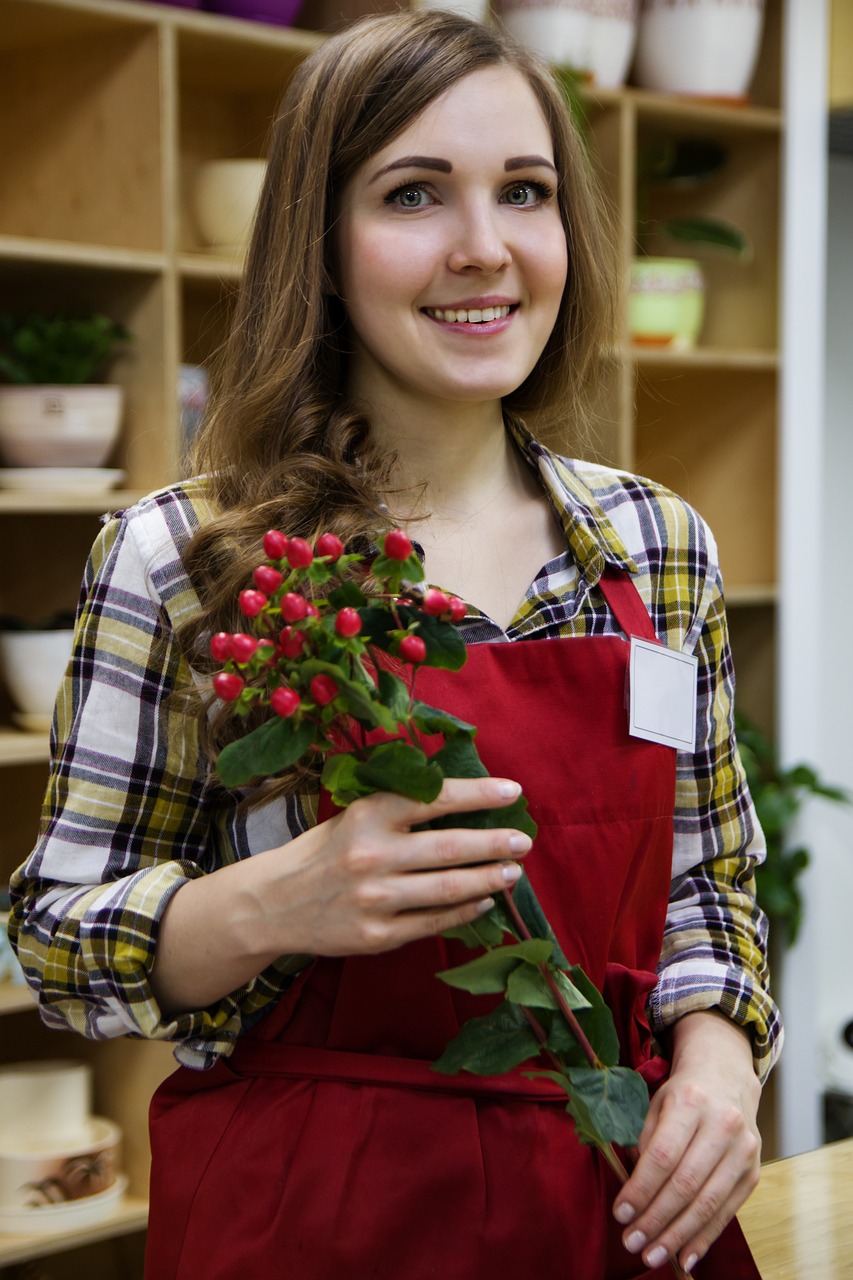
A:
(778, 795)
(62, 350)
(683, 163)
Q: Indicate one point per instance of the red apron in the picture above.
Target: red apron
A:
(325, 1147)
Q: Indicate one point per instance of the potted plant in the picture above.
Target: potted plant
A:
(778, 794)
(52, 413)
(667, 295)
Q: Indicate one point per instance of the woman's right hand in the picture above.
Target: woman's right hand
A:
(364, 882)
(361, 883)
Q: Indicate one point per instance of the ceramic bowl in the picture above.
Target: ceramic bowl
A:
(34, 664)
(59, 426)
(39, 1171)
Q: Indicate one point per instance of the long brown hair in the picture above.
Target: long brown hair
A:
(282, 448)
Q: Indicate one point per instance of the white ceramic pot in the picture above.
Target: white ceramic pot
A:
(34, 664)
(476, 10)
(45, 1101)
(37, 1171)
(225, 197)
(704, 48)
(59, 426)
(556, 30)
(612, 37)
(666, 303)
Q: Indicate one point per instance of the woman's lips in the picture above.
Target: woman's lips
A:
(473, 320)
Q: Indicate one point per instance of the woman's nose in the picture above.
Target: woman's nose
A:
(479, 243)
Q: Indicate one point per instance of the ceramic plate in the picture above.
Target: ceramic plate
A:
(60, 479)
(68, 1216)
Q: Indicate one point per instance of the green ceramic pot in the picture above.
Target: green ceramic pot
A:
(666, 303)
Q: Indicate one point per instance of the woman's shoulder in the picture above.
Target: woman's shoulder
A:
(162, 522)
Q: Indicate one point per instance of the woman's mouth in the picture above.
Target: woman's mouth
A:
(469, 315)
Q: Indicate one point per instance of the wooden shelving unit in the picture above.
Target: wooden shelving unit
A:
(112, 105)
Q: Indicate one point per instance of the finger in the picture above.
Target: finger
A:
(436, 890)
(671, 1125)
(458, 846)
(697, 1245)
(691, 1234)
(457, 795)
(411, 926)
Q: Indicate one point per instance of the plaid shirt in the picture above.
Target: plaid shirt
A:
(129, 815)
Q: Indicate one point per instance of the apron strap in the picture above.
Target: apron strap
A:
(626, 603)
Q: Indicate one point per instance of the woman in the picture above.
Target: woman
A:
(428, 264)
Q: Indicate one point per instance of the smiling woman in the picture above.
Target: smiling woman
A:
(429, 267)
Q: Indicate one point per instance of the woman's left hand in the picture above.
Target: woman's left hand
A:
(699, 1149)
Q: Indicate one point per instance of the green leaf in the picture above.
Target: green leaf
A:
(528, 985)
(534, 917)
(360, 700)
(434, 720)
(491, 1045)
(398, 766)
(485, 932)
(347, 595)
(596, 1022)
(490, 972)
(266, 751)
(445, 646)
(709, 231)
(339, 777)
(608, 1105)
(393, 693)
(459, 758)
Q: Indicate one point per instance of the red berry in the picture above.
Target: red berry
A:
(312, 611)
(220, 646)
(323, 690)
(284, 701)
(290, 642)
(267, 578)
(396, 545)
(435, 602)
(348, 623)
(293, 606)
(299, 554)
(458, 609)
(329, 544)
(227, 685)
(243, 646)
(275, 544)
(251, 602)
(412, 649)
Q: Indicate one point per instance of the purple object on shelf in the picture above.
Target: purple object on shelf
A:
(182, 4)
(280, 12)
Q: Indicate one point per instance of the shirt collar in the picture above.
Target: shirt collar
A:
(592, 538)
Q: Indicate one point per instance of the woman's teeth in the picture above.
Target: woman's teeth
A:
(469, 316)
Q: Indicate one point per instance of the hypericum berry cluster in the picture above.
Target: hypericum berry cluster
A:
(300, 646)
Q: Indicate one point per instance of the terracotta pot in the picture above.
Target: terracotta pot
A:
(59, 426)
(666, 303)
(612, 37)
(704, 48)
(557, 30)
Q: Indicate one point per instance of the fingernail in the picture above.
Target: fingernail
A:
(624, 1213)
(656, 1258)
(509, 789)
(635, 1242)
(691, 1262)
(519, 842)
(485, 905)
(511, 872)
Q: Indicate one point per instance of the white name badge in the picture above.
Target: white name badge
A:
(662, 701)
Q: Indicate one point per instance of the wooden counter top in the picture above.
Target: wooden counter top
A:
(799, 1222)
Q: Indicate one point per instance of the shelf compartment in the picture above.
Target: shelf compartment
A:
(15, 999)
(18, 747)
(711, 437)
(131, 1215)
(76, 166)
(44, 501)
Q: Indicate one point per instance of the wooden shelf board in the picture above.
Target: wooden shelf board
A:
(738, 597)
(684, 110)
(131, 1215)
(207, 266)
(36, 501)
(19, 747)
(651, 358)
(15, 999)
(26, 250)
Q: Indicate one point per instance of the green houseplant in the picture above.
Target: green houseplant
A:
(779, 794)
(666, 304)
(53, 410)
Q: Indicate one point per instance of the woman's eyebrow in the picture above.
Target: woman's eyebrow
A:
(415, 162)
(527, 162)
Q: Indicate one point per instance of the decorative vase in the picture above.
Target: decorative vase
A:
(666, 303)
(704, 48)
(225, 197)
(556, 30)
(612, 37)
(59, 426)
(281, 13)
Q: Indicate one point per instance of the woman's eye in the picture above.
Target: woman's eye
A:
(409, 197)
(527, 193)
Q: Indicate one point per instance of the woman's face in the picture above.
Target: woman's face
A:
(451, 251)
